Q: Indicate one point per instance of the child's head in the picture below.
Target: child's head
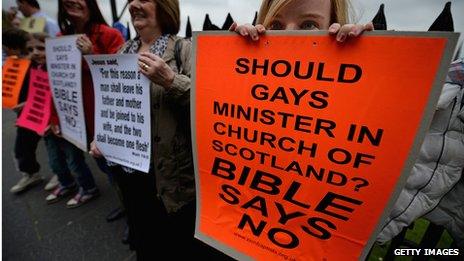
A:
(36, 48)
(14, 42)
(302, 14)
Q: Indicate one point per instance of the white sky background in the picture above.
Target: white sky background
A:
(402, 15)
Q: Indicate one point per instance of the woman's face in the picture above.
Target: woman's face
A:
(302, 15)
(143, 14)
(76, 9)
(36, 50)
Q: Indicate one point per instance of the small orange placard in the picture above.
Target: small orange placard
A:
(13, 72)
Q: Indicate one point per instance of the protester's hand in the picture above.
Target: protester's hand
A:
(48, 130)
(56, 130)
(345, 31)
(94, 151)
(84, 44)
(18, 108)
(152, 66)
(248, 30)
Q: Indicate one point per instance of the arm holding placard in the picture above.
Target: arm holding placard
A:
(56, 129)
(156, 69)
(19, 107)
(176, 84)
(342, 32)
(84, 44)
(55, 122)
(94, 151)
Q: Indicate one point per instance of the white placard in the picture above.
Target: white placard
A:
(122, 109)
(64, 69)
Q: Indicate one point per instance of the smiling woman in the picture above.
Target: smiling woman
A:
(74, 16)
(143, 15)
(161, 204)
(81, 17)
(84, 17)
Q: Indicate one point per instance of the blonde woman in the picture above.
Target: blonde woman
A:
(330, 15)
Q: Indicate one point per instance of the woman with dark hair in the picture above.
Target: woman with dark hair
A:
(84, 17)
(79, 16)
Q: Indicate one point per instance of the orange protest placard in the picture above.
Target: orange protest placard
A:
(13, 72)
(301, 142)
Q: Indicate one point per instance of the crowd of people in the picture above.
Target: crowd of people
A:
(162, 203)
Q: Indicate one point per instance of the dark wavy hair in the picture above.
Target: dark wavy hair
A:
(15, 38)
(32, 3)
(95, 18)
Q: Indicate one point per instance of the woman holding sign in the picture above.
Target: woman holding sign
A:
(304, 15)
(84, 17)
(162, 202)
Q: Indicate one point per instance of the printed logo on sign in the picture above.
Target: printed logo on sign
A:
(426, 252)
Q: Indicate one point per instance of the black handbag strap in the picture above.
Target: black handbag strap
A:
(177, 50)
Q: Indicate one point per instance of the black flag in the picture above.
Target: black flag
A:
(444, 21)
(379, 21)
(229, 21)
(208, 26)
(188, 29)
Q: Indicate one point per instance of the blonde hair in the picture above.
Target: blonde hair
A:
(339, 11)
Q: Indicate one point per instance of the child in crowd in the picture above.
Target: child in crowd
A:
(19, 43)
(63, 156)
(26, 141)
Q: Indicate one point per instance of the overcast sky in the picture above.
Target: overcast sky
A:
(405, 15)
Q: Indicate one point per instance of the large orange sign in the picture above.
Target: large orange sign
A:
(301, 142)
(13, 72)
